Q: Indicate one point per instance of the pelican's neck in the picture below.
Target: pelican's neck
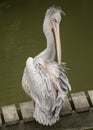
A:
(49, 52)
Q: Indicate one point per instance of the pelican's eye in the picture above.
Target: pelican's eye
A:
(55, 20)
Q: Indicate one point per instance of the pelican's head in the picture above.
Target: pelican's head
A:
(54, 14)
(54, 17)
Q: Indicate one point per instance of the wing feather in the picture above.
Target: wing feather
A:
(61, 84)
(48, 86)
(40, 83)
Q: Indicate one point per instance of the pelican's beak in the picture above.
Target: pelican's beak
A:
(58, 42)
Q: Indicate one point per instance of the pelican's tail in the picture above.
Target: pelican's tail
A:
(45, 118)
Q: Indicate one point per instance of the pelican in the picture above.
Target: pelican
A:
(44, 79)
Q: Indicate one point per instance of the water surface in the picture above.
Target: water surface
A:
(21, 36)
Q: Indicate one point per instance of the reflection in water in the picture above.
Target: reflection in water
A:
(21, 36)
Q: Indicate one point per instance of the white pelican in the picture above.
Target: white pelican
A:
(44, 80)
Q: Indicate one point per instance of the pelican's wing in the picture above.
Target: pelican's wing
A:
(58, 72)
(39, 82)
(61, 84)
(48, 87)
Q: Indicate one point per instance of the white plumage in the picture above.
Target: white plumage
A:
(44, 80)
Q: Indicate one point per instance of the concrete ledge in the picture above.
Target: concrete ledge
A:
(27, 111)
(10, 114)
(66, 109)
(90, 93)
(0, 121)
(71, 118)
(80, 101)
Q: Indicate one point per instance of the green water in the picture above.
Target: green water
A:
(21, 36)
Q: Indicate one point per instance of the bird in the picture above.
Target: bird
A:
(44, 79)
